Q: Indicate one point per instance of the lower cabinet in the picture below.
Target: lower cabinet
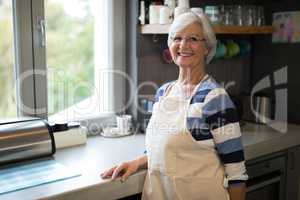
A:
(267, 178)
(293, 174)
(269, 192)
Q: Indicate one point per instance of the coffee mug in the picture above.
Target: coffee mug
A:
(233, 49)
(124, 123)
(154, 11)
(165, 15)
(221, 50)
(167, 56)
(245, 47)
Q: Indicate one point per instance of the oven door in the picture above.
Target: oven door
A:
(266, 180)
(266, 187)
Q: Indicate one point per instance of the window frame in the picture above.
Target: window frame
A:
(24, 58)
(30, 56)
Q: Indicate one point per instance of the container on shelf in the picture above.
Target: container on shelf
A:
(165, 16)
(142, 16)
(154, 11)
(213, 14)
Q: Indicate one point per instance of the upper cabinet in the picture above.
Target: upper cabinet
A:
(219, 29)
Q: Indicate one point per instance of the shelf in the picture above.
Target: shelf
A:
(244, 29)
(163, 29)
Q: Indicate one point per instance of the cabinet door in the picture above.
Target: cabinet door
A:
(267, 178)
(293, 174)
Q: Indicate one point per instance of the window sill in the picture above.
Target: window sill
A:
(87, 109)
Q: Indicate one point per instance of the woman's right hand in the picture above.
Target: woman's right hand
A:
(124, 170)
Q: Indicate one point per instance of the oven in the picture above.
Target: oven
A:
(266, 179)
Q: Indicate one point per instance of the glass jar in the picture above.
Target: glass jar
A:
(213, 14)
(228, 15)
(238, 15)
(249, 15)
(260, 20)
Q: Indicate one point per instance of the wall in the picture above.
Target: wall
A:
(269, 57)
(153, 68)
(146, 64)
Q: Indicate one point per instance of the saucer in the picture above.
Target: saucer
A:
(114, 132)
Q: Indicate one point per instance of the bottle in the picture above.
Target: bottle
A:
(142, 13)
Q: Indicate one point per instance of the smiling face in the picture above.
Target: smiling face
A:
(188, 47)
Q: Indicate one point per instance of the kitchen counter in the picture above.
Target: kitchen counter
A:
(261, 140)
(101, 153)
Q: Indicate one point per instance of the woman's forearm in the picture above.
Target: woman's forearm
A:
(237, 191)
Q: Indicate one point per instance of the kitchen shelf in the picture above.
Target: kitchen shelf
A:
(163, 29)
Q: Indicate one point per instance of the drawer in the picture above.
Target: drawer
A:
(266, 166)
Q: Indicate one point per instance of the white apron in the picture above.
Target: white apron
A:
(178, 166)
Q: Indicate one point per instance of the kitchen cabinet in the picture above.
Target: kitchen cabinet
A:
(267, 178)
(163, 29)
(293, 174)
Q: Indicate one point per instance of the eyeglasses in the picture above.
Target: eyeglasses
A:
(191, 40)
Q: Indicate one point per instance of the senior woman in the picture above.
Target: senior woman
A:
(193, 139)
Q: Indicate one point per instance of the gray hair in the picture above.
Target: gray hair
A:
(185, 19)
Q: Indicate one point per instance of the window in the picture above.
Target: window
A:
(85, 53)
(65, 53)
(70, 37)
(8, 106)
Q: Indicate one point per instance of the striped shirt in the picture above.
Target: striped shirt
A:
(212, 120)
